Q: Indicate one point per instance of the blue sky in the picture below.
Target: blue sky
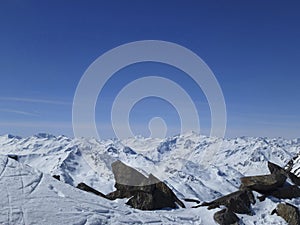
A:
(252, 47)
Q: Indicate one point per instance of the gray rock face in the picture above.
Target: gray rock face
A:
(84, 187)
(128, 181)
(57, 177)
(264, 183)
(275, 169)
(288, 192)
(238, 202)
(293, 169)
(145, 193)
(289, 213)
(13, 156)
(127, 176)
(226, 217)
(295, 179)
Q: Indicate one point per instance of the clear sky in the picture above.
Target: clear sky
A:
(253, 48)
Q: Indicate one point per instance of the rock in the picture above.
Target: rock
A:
(128, 181)
(12, 156)
(143, 201)
(84, 187)
(127, 176)
(293, 169)
(192, 200)
(288, 212)
(238, 202)
(146, 193)
(275, 169)
(263, 183)
(295, 179)
(163, 196)
(226, 217)
(119, 194)
(57, 177)
(289, 192)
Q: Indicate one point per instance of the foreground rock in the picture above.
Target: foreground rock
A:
(84, 187)
(288, 212)
(238, 202)
(263, 183)
(13, 156)
(295, 179)
(289, 192)
(128, 181)
(226, 217)
(147, 193)
(275, 169)
(293, 169)
(57, 177)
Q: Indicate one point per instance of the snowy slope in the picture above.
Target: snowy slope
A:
(31, 197)
(179, 161)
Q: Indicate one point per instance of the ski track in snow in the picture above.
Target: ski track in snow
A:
(31, 196)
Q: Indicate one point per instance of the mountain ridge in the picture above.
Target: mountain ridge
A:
(89, 160)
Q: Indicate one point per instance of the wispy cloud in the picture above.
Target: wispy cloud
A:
(33, 124)
(18, 112)
(34, 100)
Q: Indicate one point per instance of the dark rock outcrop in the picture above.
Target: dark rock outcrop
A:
(145, 201)
(286, 171)
(128, 181)
(146, 193)
(57, 177)
(288, 192)
(126, 176)
(263, 183)
(226, 217)
(275, 169)
(238, 202)
(84, 187)
(192, 200)
(15, 157)
(163, 195)
(294, 178)
(288, 212)
(292, 169)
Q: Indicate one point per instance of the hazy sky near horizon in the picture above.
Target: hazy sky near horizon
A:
(253, 48)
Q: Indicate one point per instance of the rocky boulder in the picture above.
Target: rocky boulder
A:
(288, 192)
(13, 156)
(145, 193)
(85, 187)
(128, 178)
(288, 212)
(263, 183)
(57, 177)
(128, 181)
(295, 179)
(293, 169)
(226, 217)
(238, 202)
(275, 169)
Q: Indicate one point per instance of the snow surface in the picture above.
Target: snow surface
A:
(31, 196)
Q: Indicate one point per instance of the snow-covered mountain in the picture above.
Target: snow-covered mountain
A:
(192, 165)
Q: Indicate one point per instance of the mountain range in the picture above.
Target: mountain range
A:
(192, 165)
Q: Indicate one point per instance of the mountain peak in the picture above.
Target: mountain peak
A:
(44, 135)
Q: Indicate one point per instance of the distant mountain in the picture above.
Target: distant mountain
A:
(191, 164)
